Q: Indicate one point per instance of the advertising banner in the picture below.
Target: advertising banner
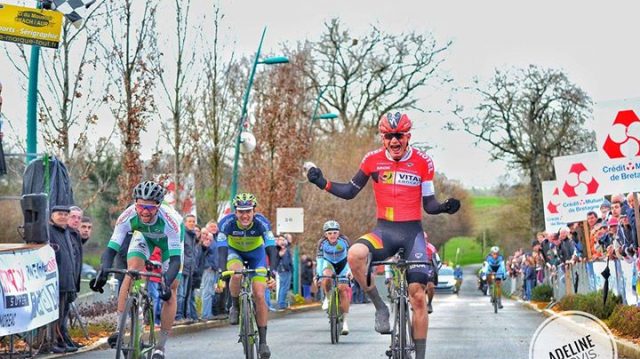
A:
(551, 203)
(29, 26)
(29, 290)
(580, 180)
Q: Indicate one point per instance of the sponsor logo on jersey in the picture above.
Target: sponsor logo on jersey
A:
(237, 233)
(169, 219)
(386, 177)
(409, 164)
(383, 167)
(126, 214)
(407, 179)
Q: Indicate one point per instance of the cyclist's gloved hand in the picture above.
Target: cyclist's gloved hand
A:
(314, 175)
(164, 291)
(451, 205)
(96, 284)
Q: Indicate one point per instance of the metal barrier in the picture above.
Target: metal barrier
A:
(582, 278)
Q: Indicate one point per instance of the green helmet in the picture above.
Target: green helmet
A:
(331, 225)
(244, 201)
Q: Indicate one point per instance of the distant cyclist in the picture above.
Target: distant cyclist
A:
(495, 264)
(153, 225)
(332, 259)
(403, 187)
(457, 275)
(245, 235)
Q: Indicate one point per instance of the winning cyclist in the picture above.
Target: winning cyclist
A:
(332, 259)
(403, 186)
(153, 225)
(246, 236)
(494, 263)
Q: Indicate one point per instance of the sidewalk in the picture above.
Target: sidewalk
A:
(626, 348)
(101, 343)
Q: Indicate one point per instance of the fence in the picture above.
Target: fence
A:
(582, 278)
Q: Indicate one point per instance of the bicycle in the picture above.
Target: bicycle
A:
(334, 311)
(248, 325)
(402, 345)
(138, 310)
(458, 285)
(494, 291)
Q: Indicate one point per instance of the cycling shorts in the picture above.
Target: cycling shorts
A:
(341, 269)
(255, 259)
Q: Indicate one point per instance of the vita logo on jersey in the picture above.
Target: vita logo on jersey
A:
(400, 178)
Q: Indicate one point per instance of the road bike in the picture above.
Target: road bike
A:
(133, 341)
(457, 286)
(334, 311)
(493, 289)
(248, 325)
(402, 346)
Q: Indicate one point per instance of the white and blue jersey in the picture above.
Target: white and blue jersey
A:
(333, 256)
(495, 265)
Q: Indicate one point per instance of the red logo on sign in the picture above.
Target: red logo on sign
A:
(579, 181)
(624, 136)
(553, 204)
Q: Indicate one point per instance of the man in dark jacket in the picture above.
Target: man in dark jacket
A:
(186, 285)
(60, 241)
(209, 265)
(284, 267)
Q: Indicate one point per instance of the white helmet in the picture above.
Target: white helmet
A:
(495, 249)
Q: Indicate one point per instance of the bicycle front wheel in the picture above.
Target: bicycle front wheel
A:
(403, 335)
(494, 298)
(334, 321)
(148, 343)
(128, 331)
(247, 329)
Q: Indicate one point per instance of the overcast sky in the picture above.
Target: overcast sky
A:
(596, 43)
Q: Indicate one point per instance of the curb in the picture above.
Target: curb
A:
(625, 347)
(101, 344)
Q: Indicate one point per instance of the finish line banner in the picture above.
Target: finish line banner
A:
(29, 290)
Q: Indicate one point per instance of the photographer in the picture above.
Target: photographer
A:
(284, 268)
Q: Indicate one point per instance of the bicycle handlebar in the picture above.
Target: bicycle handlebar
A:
(400, 263)
(245, 271)
(134, 273)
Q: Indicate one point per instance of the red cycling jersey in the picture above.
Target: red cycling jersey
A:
(399, 185)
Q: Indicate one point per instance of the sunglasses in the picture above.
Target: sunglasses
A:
(397, 135)
(148, 207)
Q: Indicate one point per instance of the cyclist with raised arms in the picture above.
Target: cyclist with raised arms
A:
(245, 235)
(494, 263)
(153, 225)
(332, 259)
(403, 187)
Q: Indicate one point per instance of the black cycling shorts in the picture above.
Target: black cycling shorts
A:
(388, 237)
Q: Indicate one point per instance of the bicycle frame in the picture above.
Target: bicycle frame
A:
(334, 312)
(138, 304)
(248, 335)
(402, 332)
(491, 278)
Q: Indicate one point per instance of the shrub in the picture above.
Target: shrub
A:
(590, 303)
(542, 293)
(626, 320)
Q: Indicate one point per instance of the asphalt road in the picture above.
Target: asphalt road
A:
(460, 327)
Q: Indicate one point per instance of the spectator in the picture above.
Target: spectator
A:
(529, 276)
(284, 268)
(188, 264)
(538, 258)
(307, 277)
(567, 249)
(73, 229)
(196, 277)
(86, 227)
(221, 298)
(210, 272)
(605, 210)
(67, 288)
(631, 218)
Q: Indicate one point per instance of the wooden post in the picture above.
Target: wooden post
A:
(587, 238)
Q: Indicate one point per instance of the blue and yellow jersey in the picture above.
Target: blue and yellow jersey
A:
(245, 239)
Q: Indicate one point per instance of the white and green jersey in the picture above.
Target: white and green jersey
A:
(166, 232)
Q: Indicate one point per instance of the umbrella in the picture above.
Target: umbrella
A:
(606, 273)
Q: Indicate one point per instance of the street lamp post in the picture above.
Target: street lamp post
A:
(298, 197)
(243, 115)
(32, 101)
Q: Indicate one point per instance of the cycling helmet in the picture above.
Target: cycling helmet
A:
(244, 201)
(394, 123)
(495, 249)
(149, 190)
(331, 225)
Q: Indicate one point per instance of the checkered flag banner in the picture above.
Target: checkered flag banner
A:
(73, 10)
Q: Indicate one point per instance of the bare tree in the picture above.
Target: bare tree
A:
(219, 112)
(181, 130)
(281, 104)
(374, 74)
(131, 57)
(529, 116)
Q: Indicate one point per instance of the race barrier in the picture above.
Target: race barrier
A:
(29, 287)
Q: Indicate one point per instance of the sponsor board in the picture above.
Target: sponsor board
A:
(552, 201)
(580, 182)
(29, 26)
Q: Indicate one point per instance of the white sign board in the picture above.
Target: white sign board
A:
(617, 127)
(580, 181)
(29, 297)
(290, 220)
(551, 202)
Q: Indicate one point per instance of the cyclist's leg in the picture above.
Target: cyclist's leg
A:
(418, 278)
(139, 251)
(235, 263)
(326, 282)
(343, 270)
(257, 259)
(169, 307)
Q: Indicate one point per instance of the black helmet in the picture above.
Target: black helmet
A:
(149, 190)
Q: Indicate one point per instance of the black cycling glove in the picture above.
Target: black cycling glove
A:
(314, 175)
